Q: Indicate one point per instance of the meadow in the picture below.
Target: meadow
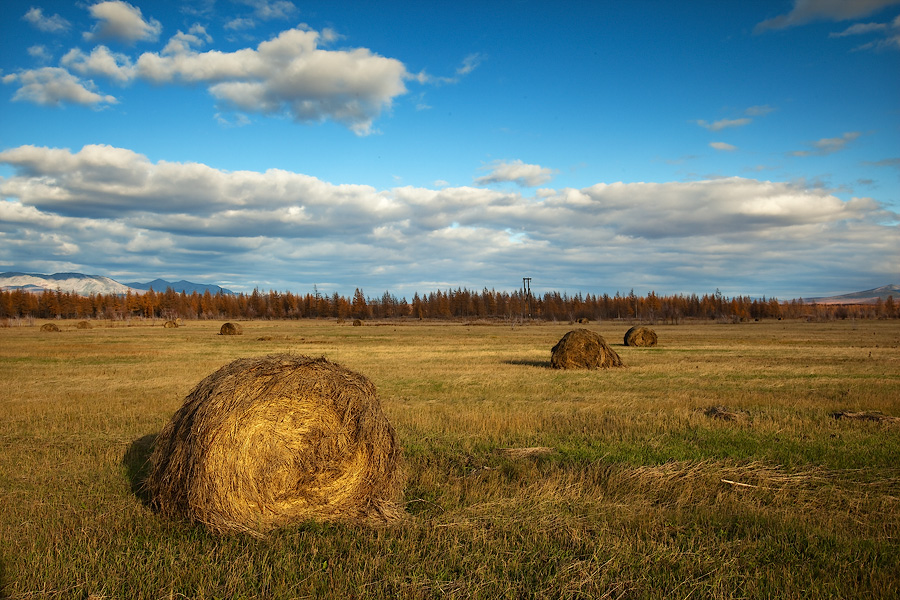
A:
(644, 493)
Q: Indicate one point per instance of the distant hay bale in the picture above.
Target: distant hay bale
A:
(82, 325)
(868, 415)
(268, 441)
(49, 327)
(178, 321)
(231, 329)
(170, 325)
(640, 336)
(583, 349)
(357, 323)
(583, 321)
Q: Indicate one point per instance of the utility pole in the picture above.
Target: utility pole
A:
(526, 291)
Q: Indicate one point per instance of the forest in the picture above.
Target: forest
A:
(460, 304)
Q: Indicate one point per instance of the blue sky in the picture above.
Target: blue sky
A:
(680, 147)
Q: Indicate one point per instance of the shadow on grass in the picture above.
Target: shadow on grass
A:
(544, 364)
(137, 466)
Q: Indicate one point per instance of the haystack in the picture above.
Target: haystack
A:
(231, 329)
(268, 441)
(49, 327)
(640, 336)
(170, 325)
(583, 349)
(83, 325)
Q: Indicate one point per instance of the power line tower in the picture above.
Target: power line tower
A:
(526, 292)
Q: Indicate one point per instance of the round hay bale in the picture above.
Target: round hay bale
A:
(49, 327)
(231, 329)
(268, 441)
(641, 336)
(170, 325)
(357, 323)
(583, 349)
(83, 325)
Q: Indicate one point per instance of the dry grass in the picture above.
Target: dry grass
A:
(643, 496)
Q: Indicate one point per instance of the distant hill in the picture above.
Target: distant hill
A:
(864, 297)
(161, 285)
(85, 285)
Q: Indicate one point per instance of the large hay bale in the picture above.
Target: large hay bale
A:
(583, 349)
(279, 439)
(231, 329)
(640, 336)
(83, 325)
(49, 327)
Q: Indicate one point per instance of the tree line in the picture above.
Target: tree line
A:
(459, 304)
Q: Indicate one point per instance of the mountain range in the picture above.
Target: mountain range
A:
(85, 285)
(865, 297)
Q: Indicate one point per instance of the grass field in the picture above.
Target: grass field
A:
(643, 496)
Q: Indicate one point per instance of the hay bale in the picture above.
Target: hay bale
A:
(583, 349)
(357, 323)
(268, 441)
(231, 329)
(170, 325)
(640, 336)
(49, 327)
(82, 325)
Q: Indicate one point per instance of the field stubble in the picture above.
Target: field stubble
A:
(645, 493)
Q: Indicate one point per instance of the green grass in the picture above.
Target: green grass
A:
(640, 498)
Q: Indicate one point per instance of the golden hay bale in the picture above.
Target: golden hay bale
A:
(231, 329)
(49, 327)
(83, 325)
(170, 325)
(640, 336)
(583, 349)
(268, 441)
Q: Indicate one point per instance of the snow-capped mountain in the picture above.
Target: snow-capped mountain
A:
(77, 283)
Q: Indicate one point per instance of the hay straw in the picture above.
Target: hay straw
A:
(641, 336)
(519, 453)
(280, 439)
(231, 329)
(868, 415)
(583, 349)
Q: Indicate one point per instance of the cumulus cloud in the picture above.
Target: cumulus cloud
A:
(119, 209)
(517, 172)
(120, 21)
(53, 86)
(827, 146)
(807, 11)
(51, 24)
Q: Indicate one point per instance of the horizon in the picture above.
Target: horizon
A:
(263, 144)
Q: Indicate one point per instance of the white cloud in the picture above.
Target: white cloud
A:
(517, 172)
(40, 53)
(722, 146)
(121, 21)
(52, 86)
(120, 210)
(239, 23)
(268, 10)
(827, 146)
(52, 24)
(101, 61)
(724, 123)
(807, 11)
(289, 74)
